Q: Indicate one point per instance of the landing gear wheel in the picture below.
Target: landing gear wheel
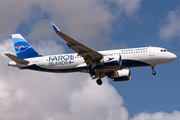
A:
(154, 72)
(92, 72)
(99, 81)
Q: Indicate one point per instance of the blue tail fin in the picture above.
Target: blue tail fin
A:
(23, 48)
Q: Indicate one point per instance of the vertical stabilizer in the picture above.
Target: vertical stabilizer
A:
(23, 48)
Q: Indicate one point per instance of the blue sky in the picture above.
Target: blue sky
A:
(145, 92)
(100, 25)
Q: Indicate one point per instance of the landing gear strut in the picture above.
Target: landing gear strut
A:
(98, 81)
(153, 72)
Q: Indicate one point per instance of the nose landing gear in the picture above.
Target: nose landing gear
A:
(153, 72)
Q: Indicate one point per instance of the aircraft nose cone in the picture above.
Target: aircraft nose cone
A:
(173, 57)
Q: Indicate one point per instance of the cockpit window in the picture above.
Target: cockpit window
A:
(164, 50)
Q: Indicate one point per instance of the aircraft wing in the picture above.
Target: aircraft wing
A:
(90, 56)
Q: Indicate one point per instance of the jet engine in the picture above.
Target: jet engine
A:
(111, 60)
(121, 75)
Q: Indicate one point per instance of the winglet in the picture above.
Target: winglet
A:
(55, 27)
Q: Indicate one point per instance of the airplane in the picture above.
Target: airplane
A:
(111, 63)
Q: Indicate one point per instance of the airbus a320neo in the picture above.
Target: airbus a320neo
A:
(111, 63)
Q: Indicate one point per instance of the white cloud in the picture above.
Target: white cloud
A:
(50, 96)
(3, 92)
(127, 6)
(27, 95)
(105, 99)
(85, 20)
(50, 47)
(6, 46)
(175, 115)
(172, 27)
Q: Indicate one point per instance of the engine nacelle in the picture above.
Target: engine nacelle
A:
(111, 60)
(121, 75)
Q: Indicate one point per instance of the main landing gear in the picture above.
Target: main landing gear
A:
(99, 81)
(153, 72)
(92, 72)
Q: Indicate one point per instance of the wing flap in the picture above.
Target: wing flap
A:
(16, 59)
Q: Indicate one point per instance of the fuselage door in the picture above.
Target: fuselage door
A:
(151, 51)
(40, 61)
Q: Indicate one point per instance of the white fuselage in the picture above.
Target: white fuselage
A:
(132, 57)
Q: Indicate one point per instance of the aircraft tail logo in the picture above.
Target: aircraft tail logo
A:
(23, 48)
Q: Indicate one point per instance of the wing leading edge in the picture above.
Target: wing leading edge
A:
(90, 56)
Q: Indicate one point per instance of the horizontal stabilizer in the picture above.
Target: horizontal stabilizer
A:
(16, 59)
